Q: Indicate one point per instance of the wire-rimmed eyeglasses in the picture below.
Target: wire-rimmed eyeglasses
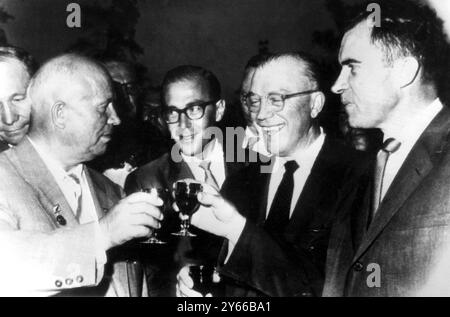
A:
(276, 101)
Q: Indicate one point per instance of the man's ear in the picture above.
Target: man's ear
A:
(405, 71)
(317, 103)
(220, 109)
(59, 114)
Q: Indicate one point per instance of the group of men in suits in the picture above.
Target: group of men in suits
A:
(61, 223)
(385, 226)
(319, 219)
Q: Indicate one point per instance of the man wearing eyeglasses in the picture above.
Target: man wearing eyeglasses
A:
(253, 138)
(192, 108)
(278, 223)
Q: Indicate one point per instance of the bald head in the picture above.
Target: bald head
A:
(57, 81)
(72, 108)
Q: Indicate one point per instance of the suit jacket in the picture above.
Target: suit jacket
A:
(44, 256)
(165, 261)
(404, 246)
(292, 263)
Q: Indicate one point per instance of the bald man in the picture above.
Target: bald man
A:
(61, 223)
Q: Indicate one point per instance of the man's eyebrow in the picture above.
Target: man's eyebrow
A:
(348, 61)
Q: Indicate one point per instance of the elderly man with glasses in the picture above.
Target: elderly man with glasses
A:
(277, 223)
(192, 108)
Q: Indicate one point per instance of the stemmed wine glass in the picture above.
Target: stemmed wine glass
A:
(163, 193)
(185, 193)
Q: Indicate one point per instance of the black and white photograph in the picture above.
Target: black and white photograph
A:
(238, 149)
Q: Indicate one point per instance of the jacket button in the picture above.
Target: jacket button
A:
(58, 283)
(69, 281)
(358, 266)
(79, 279)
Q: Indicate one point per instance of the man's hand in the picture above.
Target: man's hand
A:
(133, 217)
(185, 284)
(217, 216)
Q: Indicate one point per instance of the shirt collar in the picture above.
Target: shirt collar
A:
(412, 128)
(305, 157)
(54, 166)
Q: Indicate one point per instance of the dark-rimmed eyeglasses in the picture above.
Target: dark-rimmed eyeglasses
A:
(193, 112)
(274, 100)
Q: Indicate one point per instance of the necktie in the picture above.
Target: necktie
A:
(279, 211)
(77, 194)
(389, 146)
(209, 177)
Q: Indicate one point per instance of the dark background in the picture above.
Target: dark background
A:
(217, 34)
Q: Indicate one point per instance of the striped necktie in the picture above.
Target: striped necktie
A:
(389, 146)
(209, 177)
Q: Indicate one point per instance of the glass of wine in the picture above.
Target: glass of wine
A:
(164, 194)
(185, 193)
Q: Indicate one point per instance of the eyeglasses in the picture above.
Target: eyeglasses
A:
(193, 112)
(276, 101)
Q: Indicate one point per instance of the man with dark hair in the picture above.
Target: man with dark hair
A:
(279, 218)
(393, 231)
(192, 108)
(16, 69)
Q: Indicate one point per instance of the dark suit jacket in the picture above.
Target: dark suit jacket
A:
(54, 258)
(291, 264)
(408, 237)
(166, 260)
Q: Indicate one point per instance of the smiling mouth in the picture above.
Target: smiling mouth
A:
(273, 129)
(186, 138)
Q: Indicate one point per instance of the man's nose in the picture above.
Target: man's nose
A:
(113, 118)
(264, 111)
(340, 84)
(8, 116)
(184, 121)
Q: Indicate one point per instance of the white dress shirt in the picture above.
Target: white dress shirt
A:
(213, 152)
(407, 134)
(305, 159)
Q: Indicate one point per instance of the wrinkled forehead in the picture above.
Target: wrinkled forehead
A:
(280, 76)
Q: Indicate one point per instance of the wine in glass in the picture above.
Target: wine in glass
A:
(185, 193)
(163, 193)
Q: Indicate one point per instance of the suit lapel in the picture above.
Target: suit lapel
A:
(36, 173)
(416, 167)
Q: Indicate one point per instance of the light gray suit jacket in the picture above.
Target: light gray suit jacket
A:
(43, 256)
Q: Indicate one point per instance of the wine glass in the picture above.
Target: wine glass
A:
(185, 193)
(163, 193)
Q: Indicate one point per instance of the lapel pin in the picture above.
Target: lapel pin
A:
(59, 218)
